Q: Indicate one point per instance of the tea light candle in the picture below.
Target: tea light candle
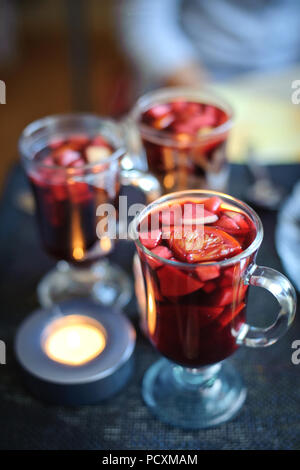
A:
(73, 358)
(74, 340)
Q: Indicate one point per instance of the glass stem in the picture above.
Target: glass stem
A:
(83, 274)
(197, 377)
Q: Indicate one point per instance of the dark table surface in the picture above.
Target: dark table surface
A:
(270, 418)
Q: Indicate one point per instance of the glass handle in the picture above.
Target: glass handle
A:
(284, 292)
(147, 183)
(144, 181)
(134, 167)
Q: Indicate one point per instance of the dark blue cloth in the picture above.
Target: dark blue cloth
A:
(269, 419)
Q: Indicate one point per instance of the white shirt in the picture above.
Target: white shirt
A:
(227, 36)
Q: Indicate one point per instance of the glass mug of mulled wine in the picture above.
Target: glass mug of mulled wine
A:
(183, 133)
(197, 252)
(74, 166)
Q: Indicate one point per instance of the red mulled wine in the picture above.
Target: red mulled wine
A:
(195, 308)
(185, 144)
(70, 177)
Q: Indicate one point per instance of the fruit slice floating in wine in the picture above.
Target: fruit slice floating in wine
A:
(212, 244)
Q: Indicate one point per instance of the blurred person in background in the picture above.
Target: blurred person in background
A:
(183, 42)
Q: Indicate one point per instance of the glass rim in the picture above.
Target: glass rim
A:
(166, 95)
(50, 120)
(192, 193)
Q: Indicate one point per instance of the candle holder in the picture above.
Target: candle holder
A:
(71, 358)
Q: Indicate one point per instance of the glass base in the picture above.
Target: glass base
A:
(104, 282)
(193, 398)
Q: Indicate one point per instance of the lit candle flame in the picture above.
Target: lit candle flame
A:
(151, 310)
(77, 238)
(169, 181)
(78, 253)
(74, 340)
(105, 244)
